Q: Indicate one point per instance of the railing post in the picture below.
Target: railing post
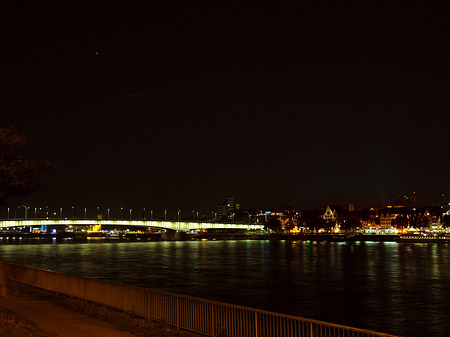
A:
(148, 305)
(312, 330)
(124, 299)
(178, 314)
(256, 324)
(212, 320)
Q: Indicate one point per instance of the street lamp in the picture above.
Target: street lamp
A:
(165, 214)
(130, 213)
(85, 212)
(73, 212)
(8, 213)
(151, 214)
(121, 212)
(35, 212)
(197, 216)
(108, 213)
(193, 216)
(60, 213)
(179, 214)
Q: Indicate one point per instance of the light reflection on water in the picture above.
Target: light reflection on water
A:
(395, 288)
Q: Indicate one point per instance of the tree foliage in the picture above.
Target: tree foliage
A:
(350, 222)
(274, 224)
(18, 176)
(312, 219)
(446, 221)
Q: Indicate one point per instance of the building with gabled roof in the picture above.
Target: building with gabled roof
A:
(330, 215)
(386, 221)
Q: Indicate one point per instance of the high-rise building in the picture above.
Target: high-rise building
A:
(227, 208)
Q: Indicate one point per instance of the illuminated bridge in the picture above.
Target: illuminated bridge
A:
(173, 225)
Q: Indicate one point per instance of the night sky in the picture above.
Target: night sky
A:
(164, 106)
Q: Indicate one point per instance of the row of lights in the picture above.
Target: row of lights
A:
(36, 209)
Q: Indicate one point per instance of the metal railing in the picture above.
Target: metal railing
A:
(202, 316)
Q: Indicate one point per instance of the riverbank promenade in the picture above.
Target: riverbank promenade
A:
(56, 320)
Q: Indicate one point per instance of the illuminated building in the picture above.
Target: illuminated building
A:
(386, 221)
(330, 215)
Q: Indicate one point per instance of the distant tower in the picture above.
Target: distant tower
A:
(226, 210)
(351, 207)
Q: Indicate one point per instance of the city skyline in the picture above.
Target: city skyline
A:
(37, 210)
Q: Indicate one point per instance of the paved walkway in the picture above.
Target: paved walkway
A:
(63, 322)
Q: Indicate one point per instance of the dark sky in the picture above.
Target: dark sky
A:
(165, 106)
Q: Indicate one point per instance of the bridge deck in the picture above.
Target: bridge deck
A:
(174, 225)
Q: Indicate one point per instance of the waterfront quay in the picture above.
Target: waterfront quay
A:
(218, 235)
(149, 230)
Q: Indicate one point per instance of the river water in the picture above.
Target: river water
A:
(402, 289)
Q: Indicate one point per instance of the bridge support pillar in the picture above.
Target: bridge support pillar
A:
(171, 235)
